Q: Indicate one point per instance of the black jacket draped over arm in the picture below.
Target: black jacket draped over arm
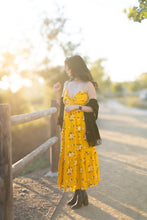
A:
(92, 131)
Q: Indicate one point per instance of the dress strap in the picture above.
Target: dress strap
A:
(84, 86)
(67, 84)
(65, 88)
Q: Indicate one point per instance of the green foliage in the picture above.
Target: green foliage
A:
(143, 80)
(53, 75)
(54, 34)
(18, 101)
(138, 84)
(133, 101)
(117, 88)
(26, 137)
(69, 48)
(99, 75)
(138, 13)
(50, 30)
(28, 99)
(40, 163)
(130, 87)
(134, 86)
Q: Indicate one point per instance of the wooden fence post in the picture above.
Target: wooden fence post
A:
(54, 131)
(6, 189)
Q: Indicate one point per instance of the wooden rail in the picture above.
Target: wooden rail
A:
(20, 119)
(21, 164)
(1, 182)
(9, 171)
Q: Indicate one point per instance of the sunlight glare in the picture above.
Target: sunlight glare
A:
(14, 82)
(41, 80)
(4, 83)
(27, 82)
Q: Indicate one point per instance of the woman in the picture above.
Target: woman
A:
(78, 166)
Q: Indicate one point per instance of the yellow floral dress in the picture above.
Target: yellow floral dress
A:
(78, 166)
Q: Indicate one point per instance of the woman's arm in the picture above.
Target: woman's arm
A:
(84, 108)
(57, 88)
(91, 91)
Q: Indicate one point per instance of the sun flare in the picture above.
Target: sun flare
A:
(14, 82)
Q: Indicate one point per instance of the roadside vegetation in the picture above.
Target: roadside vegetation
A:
(132, 94)
(133, 101)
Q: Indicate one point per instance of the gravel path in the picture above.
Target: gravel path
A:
(35, 196)
(122, 192)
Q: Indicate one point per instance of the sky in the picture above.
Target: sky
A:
(106, 32)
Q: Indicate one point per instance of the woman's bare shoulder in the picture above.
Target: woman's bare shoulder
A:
(89, 85)
(91, 90)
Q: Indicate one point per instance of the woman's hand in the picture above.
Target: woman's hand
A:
(69, 108)
(57, 87)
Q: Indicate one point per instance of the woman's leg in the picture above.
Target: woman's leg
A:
(85, 197)
(79, 200)
(74, 198)
(82, 198)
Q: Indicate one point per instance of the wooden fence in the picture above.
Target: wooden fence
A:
(9, 171)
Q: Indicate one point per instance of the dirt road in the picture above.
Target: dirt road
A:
(122, 192)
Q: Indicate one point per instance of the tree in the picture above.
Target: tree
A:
(117, 88)
(138, 13)
(7, 64)
(53, 74)
(138, 84)
(69, 48)
(99, 75)
(53, 31)
(50, 30)
(143, 80)
(54, 34)
(134, 86)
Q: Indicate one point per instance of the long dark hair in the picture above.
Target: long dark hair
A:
(79, 69)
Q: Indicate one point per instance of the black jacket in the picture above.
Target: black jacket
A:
(61, 113)
(92, 131)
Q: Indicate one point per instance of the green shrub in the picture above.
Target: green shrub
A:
(133, 101)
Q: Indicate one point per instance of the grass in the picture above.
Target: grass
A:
(40, 163)
(133, 101)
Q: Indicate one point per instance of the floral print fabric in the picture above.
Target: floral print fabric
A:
(78, 166)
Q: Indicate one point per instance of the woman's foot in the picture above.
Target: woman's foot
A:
(85, 197)
(74, 198)
(82, 199)
(79, 200)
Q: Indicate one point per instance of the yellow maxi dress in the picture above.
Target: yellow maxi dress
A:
(78, 166)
